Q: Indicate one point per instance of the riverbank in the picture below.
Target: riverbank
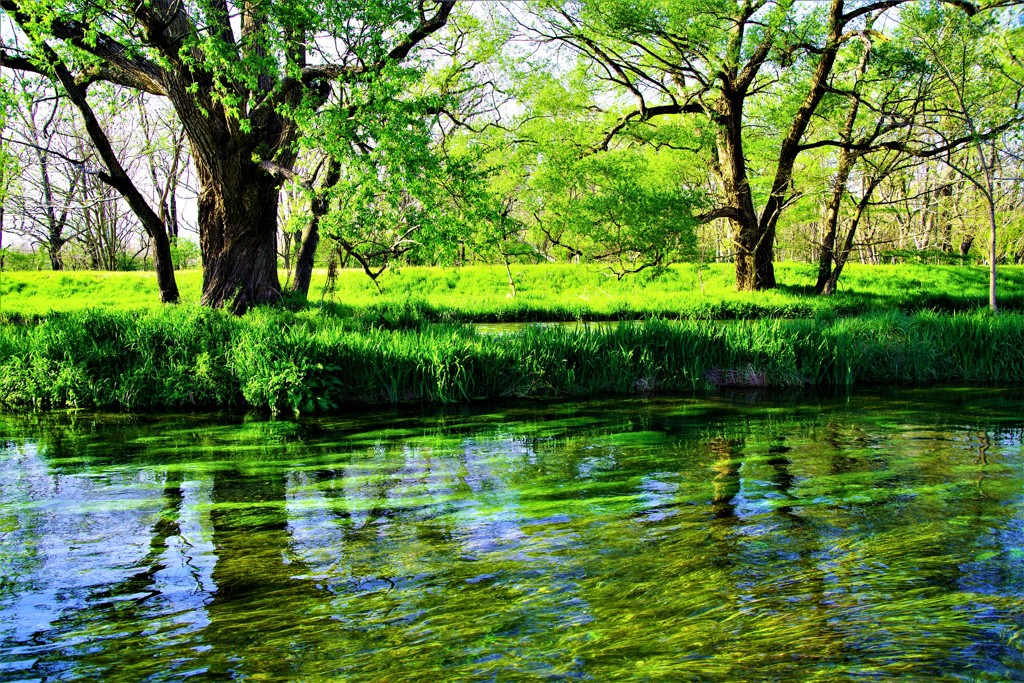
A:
(188, 357)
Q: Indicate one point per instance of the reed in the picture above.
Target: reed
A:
(274, 360)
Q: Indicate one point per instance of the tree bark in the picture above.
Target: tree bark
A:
(991, 246)
(843, 255)
(238, 234)
(56, 259)
(308, 243)
(753, 271)
(319, 203)
(847, 158)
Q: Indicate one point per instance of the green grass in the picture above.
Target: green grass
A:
(190, 357)
(101, 340)
(554, 292)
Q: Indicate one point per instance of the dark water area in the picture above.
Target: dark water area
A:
(869, 537)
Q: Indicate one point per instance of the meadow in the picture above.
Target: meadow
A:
(100, 340)
(552, 292)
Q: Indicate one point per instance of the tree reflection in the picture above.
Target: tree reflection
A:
(727, 455)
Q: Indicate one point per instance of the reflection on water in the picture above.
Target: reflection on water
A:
(866, 537)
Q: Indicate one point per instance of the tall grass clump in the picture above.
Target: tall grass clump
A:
(118, 359)
(276, 360)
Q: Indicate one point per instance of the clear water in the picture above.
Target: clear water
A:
(869, 537)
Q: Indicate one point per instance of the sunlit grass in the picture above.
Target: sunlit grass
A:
(553, 292)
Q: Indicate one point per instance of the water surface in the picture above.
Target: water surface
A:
(740, 538)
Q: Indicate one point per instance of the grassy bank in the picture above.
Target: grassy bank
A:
(554, 292)
(189, 357)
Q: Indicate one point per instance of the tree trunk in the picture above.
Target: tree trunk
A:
(318, 205)
(843, 254)
(754, 268)
(117, 178)
(56, 260)
(238, 234)
(307, 253)
(163, 264)
(991, 248)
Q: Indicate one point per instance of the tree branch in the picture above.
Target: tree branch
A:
(919, 152)
(642, 115)
(730, 212)
(8, 61)
(119, 66)
(425, 29)
(282, 173)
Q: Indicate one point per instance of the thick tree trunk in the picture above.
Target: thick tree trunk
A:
(238, 235)
(755, 269)
(753, 258)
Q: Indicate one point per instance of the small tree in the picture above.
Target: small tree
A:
(983, 91)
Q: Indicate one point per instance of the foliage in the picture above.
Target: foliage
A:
(630, 207)
(186, 254)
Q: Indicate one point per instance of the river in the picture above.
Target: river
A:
(745, 537)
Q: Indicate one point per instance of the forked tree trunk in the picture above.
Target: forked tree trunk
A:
(310, 240)
(842, 255)
(754, 234)
(319, 204)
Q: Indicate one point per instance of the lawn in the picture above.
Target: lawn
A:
(553, 292)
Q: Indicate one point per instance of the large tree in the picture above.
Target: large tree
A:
(754, 72)
(246, 80)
